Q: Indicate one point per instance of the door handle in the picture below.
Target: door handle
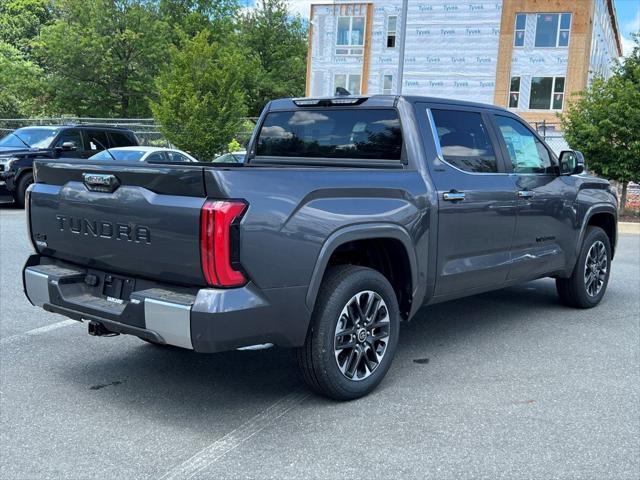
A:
(454, 196)
(525, 194)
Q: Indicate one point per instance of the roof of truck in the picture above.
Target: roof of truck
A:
(383, 101)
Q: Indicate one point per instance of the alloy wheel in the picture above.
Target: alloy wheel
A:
(362, 335)
(595, 268)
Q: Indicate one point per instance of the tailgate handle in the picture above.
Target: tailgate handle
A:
(101, 182)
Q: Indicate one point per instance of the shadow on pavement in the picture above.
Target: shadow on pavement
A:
(187, 387)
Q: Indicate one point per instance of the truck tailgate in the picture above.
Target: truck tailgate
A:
(137, 220)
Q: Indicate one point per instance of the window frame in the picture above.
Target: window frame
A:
(252, 157)
(491, 132)
(350, 47)
(558, 29)
(505, 150)
(346, 83)
(511, 91)
(390, 32)
(523, 30)
(553, 92)
(387, 91)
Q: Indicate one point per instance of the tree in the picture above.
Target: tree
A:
(604, 123)
(102, 56)
(278, 41)
(189, 17)
(21, 88)
(200, 101)
(21, 21)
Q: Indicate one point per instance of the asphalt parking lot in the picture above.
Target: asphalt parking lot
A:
(507, 384)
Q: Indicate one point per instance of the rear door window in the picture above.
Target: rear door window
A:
(365, 134)
(97, 140)
(465, 141)
(157, 157)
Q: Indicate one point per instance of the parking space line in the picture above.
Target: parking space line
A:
(235, 438)
(37, 331)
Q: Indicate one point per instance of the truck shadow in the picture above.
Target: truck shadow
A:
(197, 391)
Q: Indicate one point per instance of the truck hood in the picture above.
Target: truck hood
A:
(11, 151)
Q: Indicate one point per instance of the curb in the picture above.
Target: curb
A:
(629, 227)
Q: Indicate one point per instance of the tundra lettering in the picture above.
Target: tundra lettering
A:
(348, 215)
(104, 229)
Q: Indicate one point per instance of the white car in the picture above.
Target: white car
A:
(144, 154)
(232, 157)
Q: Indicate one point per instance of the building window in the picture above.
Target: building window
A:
(387, 84)
(552, 29)
(350, 39)
(547, 93)
(514, 92)
(392, 22)
(521, 26)
(349, 81)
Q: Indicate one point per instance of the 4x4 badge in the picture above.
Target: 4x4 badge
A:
(100, 182)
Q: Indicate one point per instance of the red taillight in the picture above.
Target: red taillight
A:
(216, 220)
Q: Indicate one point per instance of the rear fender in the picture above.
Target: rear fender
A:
(360, 232)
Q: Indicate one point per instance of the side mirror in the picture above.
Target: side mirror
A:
(66, 147)
(571, 162)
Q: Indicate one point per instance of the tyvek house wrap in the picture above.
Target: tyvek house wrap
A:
(451, 49)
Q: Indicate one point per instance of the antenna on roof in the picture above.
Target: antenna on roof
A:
(342, 92)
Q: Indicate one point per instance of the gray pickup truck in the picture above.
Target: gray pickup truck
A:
(348, 215)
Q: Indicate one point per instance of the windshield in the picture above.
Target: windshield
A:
(120, 155)
(34, 137)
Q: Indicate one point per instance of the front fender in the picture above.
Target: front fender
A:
(589, 213)
(366, 231)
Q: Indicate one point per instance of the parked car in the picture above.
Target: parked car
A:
(231, 157)
(144, 154)
(20, 148)
(348, 216)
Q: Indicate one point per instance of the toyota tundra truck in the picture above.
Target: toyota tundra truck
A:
(348, 215)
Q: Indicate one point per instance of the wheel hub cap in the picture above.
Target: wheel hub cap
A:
(361, 335)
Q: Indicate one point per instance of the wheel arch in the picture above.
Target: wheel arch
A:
(369, 234)
(604, 216)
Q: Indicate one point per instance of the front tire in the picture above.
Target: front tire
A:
(587, 284)
(353, 334)
(20, 194)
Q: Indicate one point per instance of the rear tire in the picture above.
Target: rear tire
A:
(353, 334)
(588, 283)
(20, 194)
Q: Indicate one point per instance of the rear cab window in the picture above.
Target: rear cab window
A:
(356, 134)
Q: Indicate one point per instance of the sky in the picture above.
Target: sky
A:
(628, 16)
(628, 21)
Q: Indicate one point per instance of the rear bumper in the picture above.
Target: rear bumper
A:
(204, 320)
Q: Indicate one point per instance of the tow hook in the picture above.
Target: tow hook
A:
(98, 330)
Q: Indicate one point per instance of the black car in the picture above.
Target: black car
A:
(20, 148)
